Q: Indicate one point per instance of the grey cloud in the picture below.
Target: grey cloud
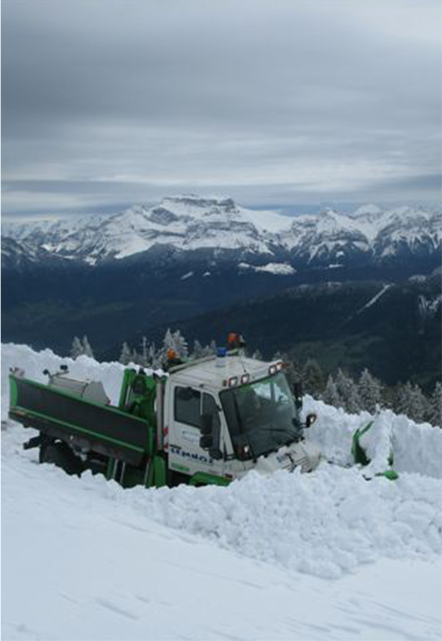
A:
(109, 99)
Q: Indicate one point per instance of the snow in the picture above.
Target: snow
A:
(267, 220)
(281, 269)
(194, 222)
(375, 299)
(417, 448)
(278, 269)
(328, 555)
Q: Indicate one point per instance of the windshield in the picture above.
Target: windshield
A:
(260, 416)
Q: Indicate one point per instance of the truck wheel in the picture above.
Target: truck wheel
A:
(61, 455)
(177, 478)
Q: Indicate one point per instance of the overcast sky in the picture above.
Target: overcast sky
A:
(107, 103)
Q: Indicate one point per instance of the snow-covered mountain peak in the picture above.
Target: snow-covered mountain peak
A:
(364, 210)
(194, 206)
(193, 222)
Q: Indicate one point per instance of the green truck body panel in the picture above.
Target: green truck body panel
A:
(122, 434)
(360, 456)
(203, 478)
(51, 410)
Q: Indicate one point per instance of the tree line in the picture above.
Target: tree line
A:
(339, 389)
(368, 393)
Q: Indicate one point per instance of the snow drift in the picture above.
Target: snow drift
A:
(415, 447)
(103, 563)
(325, 524)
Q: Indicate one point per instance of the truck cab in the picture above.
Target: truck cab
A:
(228, 415)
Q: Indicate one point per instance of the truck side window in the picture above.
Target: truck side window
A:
(188, 406)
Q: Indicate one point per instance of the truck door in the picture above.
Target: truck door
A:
(185, 454)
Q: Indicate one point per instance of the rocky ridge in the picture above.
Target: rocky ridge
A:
(189, 223)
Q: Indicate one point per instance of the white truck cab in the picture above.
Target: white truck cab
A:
(225, 416)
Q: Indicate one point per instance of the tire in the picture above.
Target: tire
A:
(176, 478)
(61, 455)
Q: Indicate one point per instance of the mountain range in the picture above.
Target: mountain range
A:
(329, 240)
(207, 265)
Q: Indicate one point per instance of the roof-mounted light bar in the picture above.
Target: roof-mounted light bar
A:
(276, 367)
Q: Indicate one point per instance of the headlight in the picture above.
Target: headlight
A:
(311, 418)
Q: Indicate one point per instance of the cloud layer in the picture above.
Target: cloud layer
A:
(111, 102)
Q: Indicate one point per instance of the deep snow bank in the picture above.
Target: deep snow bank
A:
(416, 447)
(34, 363)
(324, 523)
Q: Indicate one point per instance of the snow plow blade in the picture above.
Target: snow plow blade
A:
(61, 415)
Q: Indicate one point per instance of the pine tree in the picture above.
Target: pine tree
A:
(412, 402)
(180, 345)
(144, 352)
(292, 372)
(161, 355)
(198, 350)
(208, 351)
(348, 393)
(87, 349)
(313, 378)
(151, 354)
(330, 394)
(434, 413)
(168, 341)
(126, 354)
(77, 348)
(389, 397)
(369, 389)
(403, 393)
(418, 405)
(171, 341)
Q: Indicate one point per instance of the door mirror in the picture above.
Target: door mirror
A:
(297, 389)
(216, 453)
(206, 441)
(297, 393)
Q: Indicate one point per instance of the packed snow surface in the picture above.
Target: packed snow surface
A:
(258, 559)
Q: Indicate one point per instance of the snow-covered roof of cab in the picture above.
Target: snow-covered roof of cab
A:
(216, 372)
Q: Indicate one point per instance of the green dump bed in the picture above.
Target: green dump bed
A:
(101, 428)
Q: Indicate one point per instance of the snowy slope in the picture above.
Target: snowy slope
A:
(192, 222)
(321, 556)
(187, 223)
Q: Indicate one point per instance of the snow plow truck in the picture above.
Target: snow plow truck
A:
(207, 421)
